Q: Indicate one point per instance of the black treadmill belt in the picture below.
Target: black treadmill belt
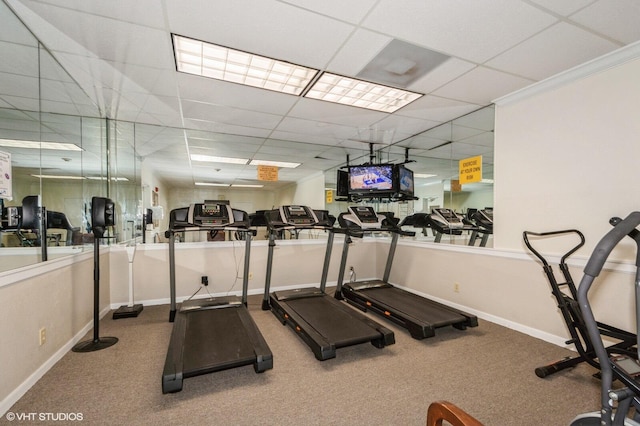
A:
(333, 320)
(413, 305)
(215, 339)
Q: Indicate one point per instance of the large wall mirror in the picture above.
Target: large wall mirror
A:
(434, 157)
(41, 104)
(60, 150)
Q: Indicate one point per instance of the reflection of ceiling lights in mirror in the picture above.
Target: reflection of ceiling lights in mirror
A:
(283, 164)
(39, 145)
(71, 177)
(211, 184)
(222, 63)
(214, 159)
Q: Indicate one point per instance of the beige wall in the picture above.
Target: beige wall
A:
(56, 295)
(568, 157)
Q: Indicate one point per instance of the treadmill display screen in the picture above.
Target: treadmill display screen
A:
(212, 210)
(298, 215)
(365, 214)
(210, 214)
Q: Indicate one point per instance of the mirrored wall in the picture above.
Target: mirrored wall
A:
(435, 157)
(64, 151)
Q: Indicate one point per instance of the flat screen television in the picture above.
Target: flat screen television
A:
(405, 181)
(373, 180)
(342, 186)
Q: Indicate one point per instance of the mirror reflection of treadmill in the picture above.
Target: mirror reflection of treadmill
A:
(419, 315)
(214, 333)
(324, 323)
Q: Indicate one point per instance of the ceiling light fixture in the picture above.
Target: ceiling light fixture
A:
(71, 177)
(222, 63)
(238, 185)
(423, 175)
(40, 145)
(211, 184)
(359, 93)
(282, 164)
(214, 159)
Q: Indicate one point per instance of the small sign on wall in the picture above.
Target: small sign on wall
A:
(329, 196)
(6, 181)
(470, 170)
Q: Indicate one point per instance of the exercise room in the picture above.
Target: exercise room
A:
(282, 212)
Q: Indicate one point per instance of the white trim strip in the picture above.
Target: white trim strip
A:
(609, 60)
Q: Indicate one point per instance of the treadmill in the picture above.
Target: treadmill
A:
(215, 333)
(322, 322)
(483, 220)
(419, 315)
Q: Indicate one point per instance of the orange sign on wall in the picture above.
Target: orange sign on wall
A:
(268, 173)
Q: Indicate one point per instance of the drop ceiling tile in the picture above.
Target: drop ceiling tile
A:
(352, 11)
(227, 115)
(618, 19)
(143, 12)
(437, 109)
(330, 131)
(18, 59)
(496, 25)
(481, 86)
(564, 7)
(304, 137)
(357, 52)
(202, 89)
(556, 49)
(245, 30)
(327, 112)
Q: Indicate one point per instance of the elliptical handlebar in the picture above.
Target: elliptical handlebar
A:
(525, 236)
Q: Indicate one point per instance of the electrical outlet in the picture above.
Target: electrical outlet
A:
(250, 275)
(456, 288)
(43, 336)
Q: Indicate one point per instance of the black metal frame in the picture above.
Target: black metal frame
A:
(571, 313)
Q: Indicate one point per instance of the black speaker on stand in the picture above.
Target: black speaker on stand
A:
(103, 215)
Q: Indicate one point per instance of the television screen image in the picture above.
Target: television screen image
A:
(405, 178)
(371, 178)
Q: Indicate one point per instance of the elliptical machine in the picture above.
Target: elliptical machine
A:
(616, 403)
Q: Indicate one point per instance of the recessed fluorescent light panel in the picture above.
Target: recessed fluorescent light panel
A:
(423, 175)
(283, 164)
(221, 63)
(238, 185)
(211, 184)
(213, 159)
(350, 91)
(40, 145)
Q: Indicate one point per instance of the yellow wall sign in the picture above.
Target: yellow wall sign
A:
(329, 196)
(470, 170)
(268, 173)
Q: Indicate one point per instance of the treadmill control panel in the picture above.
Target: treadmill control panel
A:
(298, 215)
(364, 217)
(210, 214)
(448, 218)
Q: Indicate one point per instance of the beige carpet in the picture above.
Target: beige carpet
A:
(487, 371)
